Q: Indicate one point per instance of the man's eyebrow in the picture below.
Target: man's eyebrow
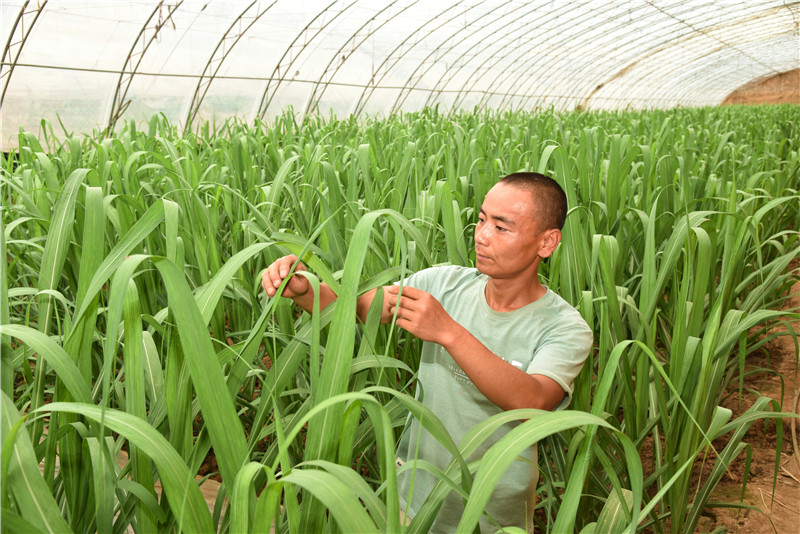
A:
(498, 218)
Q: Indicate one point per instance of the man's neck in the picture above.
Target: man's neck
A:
(504, 295)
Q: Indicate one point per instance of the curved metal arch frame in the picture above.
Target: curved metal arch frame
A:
(677, 88)
(118, 103)
(426, 66)
(464, 91)
(767, 70)
(676, 92)
(663, 96)
(450, 74)
(407, 87)
(266, 96)
(706, 31)
(617, 69)
(581, 72)
(366, 94)
(316, 94)
(752, 73)
(552, 45)
(673, 100)
(205, 80)
(8, 64)
(656, 76)
(724, 74)
(647, 71)
(682, 92)
(610, 74)
(522, 69)
(441, 84)
(610, 77)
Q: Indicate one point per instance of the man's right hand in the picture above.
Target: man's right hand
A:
(275, 274)
(298, 288)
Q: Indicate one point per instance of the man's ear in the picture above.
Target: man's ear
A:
(550, 241)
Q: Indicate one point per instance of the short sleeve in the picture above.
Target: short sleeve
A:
(562, 355)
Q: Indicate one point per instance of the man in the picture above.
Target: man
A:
(495, 338)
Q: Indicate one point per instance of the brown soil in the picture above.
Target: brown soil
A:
(779, 511)
(783, 88)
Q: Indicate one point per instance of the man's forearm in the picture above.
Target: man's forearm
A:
(502, 383)
(306, 300)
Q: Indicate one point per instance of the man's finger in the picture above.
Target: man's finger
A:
(395, 289)
(286, 266)
(265, 281)
(412, 292)
(407, 291)
(396, 300)
(405, 324)
(405, 303)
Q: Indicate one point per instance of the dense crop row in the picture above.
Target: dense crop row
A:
(132, 317)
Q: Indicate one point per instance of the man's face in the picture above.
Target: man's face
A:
(508, 242)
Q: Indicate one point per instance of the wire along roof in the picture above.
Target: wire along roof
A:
(93, 63)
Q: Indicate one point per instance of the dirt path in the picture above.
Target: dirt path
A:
(780, 512)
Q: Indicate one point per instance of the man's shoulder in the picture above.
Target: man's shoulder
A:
(564, 314)
(558, 302)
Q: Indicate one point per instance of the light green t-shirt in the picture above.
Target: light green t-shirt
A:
(547, 337)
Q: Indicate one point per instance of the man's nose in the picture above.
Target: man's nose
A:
(482, 234)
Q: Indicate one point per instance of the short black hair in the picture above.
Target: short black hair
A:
(550, 199)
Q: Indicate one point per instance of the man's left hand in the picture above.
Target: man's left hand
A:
(421, 314)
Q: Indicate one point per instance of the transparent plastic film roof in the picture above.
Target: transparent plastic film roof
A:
(91, 65)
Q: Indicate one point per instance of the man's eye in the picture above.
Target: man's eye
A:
(501, 229)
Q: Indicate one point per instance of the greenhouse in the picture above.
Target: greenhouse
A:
(396, 266)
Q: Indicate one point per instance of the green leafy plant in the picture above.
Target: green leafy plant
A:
(131, 316)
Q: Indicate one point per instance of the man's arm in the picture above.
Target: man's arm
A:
(502, 383)
(300, 291)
